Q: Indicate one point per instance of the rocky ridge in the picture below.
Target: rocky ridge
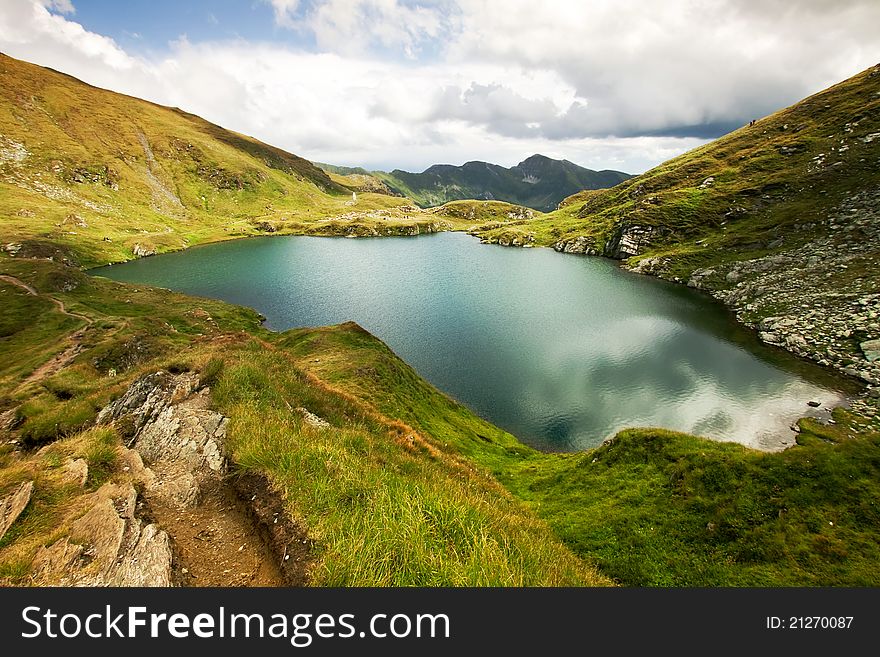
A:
(818, 300)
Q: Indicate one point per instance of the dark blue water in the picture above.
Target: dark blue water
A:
(560, 350)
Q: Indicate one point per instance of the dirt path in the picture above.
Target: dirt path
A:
(12, 280)
(216, 542)
(61, 359)
(227, 527)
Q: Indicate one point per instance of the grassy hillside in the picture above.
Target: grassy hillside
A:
(356, 179)
(93, 176)
(759, 189)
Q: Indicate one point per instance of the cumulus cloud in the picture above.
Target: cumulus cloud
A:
(647, 67)
(390, 83)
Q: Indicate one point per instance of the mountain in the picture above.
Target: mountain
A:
(537, 182)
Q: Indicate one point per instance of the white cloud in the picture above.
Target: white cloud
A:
(62, 6)
(353, 26)
(605, 84)
(642, 66)
(285, 11)
(29, 28)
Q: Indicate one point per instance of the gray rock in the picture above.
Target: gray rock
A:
(172, 429)
(142, 251)
(579, 244)
(76, 471)
(313, 420)
(13, 504)
(630, 241)
(698, 276)
(769, 338)
(871, 349)
(108, 546)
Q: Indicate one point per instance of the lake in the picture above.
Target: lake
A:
(561, 350)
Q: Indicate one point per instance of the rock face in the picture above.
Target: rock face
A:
(13, 504)
(580, 244)
(142, 251)
(108, 546)
(174, 432)
(629, 240)
(625, 242)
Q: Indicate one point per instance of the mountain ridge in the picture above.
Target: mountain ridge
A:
(538, 182)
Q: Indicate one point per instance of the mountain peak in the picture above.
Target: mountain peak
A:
(538, 182)
(537, 158)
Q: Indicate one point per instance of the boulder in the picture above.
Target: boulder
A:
(871, 349)
(108, 546)
(142, 251)
(13, 504)
(76, 471)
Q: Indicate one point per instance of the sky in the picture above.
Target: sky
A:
(384, 84)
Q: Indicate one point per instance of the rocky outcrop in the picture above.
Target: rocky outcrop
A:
(143, 250)
(795, 298)
(579, 244)
(220, 537)
(626, 241)
(13, 504)
(108, 546)
(630, 240)
(169, 424)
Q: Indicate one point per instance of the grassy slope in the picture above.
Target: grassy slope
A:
(80, 166)
(776, 179)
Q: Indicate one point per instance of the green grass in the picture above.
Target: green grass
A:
(656, 508)
(653, 507)
(384, 505)
(100, 453)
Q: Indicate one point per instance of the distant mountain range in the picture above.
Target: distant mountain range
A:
(538, 182)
